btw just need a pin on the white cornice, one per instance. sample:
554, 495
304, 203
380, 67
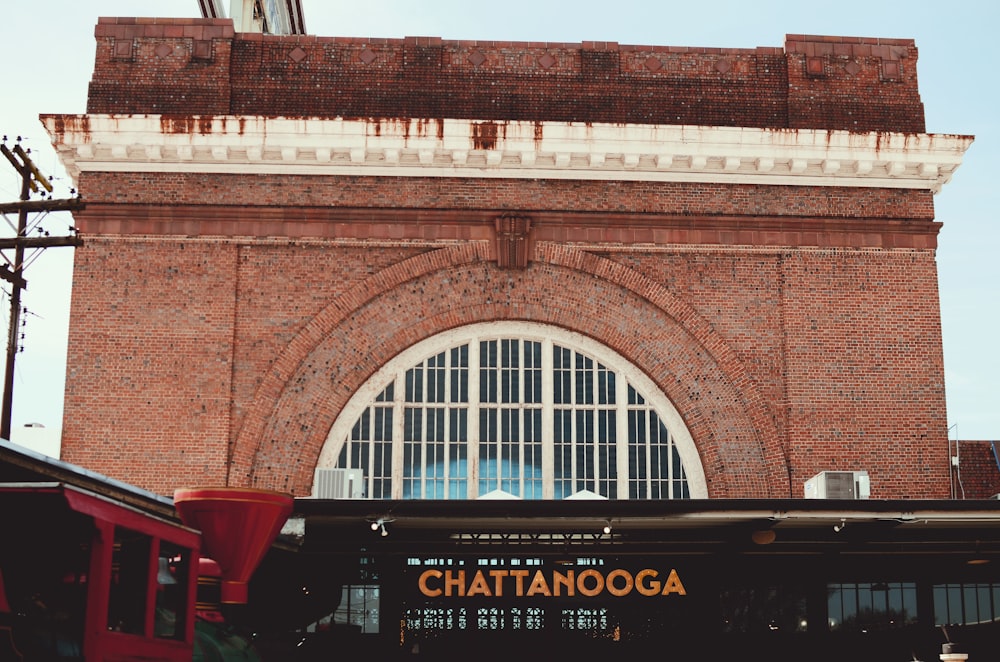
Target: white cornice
514, 150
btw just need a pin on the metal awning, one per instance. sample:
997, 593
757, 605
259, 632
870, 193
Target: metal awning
688, 526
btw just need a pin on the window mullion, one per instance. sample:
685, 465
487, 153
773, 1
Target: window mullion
446, 433
398, 406
369, 470
594, 442
574, 439
472, 452
426, 407
622, 441
671, 469
522, 414
548, 422
647, 420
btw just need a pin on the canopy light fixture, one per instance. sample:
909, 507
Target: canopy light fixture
379, 525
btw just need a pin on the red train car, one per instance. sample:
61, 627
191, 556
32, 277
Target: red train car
92, 569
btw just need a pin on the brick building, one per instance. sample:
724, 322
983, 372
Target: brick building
428, 269
271, 220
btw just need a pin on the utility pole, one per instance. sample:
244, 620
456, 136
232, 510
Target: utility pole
13, 270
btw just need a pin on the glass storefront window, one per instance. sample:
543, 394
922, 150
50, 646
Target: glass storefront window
764, 609
966, 604
868, 607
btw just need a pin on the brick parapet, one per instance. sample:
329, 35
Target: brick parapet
886, 48
812, 83
832, 82
143, 27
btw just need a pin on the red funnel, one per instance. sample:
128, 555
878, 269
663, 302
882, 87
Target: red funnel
237, 525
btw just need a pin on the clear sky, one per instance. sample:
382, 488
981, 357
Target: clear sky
47, 53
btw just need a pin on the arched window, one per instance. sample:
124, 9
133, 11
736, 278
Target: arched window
514, 409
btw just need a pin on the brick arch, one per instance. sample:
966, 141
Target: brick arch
312, 380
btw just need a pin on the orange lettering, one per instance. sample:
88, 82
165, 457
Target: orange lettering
539, 585
673, 584
582, 587
560, 580
451, 581
591, 582
422, 583
614, 590
498, 576
479, 585
653, 588
519, 575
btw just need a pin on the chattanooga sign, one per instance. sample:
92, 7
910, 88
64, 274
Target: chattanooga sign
449, 583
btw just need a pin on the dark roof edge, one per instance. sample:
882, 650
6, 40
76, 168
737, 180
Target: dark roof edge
49, 468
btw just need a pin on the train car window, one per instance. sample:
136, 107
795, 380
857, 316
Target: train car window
129, 582
173, 566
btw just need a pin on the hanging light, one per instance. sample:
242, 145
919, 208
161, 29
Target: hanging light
379, 525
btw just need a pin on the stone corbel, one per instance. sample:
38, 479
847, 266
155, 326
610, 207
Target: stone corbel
513, 241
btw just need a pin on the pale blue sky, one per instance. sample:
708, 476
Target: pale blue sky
48, 49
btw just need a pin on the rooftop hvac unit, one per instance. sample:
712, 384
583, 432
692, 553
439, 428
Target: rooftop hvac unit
339, 484
838, 485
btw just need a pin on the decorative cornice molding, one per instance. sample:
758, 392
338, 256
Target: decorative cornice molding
518, 150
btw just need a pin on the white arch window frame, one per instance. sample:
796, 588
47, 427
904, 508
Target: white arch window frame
627, 374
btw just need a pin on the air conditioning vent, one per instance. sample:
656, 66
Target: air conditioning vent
339, 484
838, 485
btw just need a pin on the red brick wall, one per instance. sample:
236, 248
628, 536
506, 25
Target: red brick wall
853, 84
149, 377
289, 194
199, 67
865, 367
978, 473
162, 66
221, 322
804, 358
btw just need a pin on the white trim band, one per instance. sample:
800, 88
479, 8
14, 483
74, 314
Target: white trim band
514, 150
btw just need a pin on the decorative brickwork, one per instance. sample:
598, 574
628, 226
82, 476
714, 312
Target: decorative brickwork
513, 241
812, 83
